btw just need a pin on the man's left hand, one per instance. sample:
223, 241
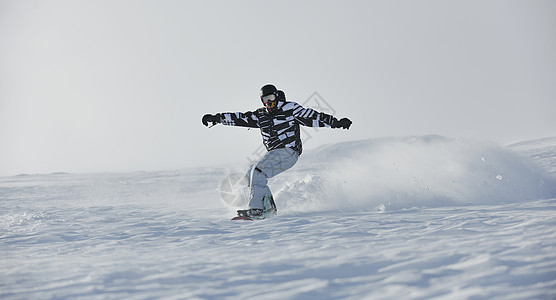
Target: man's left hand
344, 123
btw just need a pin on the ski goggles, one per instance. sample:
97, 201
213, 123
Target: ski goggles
267, 98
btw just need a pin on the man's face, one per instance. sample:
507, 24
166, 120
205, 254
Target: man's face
269, 101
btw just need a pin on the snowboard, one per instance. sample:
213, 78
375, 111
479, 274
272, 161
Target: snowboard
243, 214
242, 218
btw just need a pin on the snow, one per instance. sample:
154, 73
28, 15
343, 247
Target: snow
425, 217
542, 151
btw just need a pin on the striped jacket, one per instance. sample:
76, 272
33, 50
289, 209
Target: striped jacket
280, 127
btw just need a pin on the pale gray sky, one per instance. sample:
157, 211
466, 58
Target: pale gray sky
89, 86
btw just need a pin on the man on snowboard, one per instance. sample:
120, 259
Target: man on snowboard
279, 122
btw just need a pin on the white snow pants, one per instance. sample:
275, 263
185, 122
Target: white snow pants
271, 164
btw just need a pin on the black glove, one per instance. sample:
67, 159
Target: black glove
344, 123
211, 118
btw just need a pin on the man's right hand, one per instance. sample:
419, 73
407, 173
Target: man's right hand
210, 118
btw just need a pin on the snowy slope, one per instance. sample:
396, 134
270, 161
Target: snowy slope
410, 218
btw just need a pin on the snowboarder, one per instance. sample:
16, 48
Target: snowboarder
279, 122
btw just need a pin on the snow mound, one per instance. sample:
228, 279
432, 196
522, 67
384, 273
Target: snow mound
542, 151
406, 172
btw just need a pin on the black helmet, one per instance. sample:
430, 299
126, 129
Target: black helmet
268, 89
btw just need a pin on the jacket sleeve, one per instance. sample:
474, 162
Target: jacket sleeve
312, 118
247, 119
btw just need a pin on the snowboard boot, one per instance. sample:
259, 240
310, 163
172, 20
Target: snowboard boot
257, 213
269, 205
